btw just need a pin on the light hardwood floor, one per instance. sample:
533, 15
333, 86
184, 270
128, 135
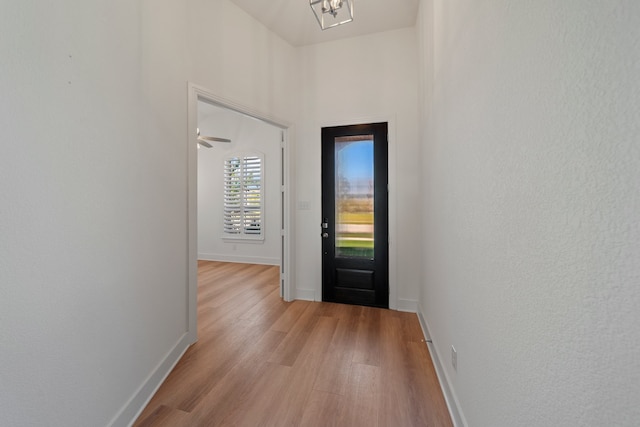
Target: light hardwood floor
261, 361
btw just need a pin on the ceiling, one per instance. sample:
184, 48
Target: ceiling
294, 21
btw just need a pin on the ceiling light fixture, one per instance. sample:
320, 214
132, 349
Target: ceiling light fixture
331, 13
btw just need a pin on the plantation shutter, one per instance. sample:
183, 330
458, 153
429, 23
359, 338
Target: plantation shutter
252, 207
243, 210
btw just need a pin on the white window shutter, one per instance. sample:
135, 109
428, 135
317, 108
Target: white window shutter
243, 196
252, 195
232, 195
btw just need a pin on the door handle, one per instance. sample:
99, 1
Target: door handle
325, 235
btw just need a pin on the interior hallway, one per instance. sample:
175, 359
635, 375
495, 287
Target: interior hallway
262, 361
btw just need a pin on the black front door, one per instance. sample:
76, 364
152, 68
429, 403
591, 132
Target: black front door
355, 224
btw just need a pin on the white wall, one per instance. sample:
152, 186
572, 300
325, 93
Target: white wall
93, 190
531, 226
92, 205
235, 57
247, 135
359, 80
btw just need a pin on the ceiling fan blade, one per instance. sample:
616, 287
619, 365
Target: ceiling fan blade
204, 143
213, 139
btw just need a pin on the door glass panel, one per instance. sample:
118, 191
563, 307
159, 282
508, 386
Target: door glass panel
354, 196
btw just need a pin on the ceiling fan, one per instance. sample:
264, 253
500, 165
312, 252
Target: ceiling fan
205, 140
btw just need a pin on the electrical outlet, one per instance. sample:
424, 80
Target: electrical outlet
454, 358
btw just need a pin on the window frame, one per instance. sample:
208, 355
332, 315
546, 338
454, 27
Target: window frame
240, 203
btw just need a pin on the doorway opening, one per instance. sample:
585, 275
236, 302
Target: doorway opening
355, 214
227, 134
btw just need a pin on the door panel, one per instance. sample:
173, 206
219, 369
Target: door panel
355, 215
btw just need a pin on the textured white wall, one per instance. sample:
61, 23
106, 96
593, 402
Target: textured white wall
236, 57
347, 82
531, 166
92, 205
93, 190
247, 135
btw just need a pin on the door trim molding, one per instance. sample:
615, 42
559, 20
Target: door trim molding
195, 93
392, 199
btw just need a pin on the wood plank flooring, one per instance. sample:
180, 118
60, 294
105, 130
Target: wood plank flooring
261, 361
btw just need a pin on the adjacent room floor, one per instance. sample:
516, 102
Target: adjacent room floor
260, 361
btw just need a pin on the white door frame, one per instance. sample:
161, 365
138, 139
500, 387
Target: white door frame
196, 93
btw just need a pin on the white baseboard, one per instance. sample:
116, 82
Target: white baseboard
132, 409
449, 395
408, 305
305, 294
239, 258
